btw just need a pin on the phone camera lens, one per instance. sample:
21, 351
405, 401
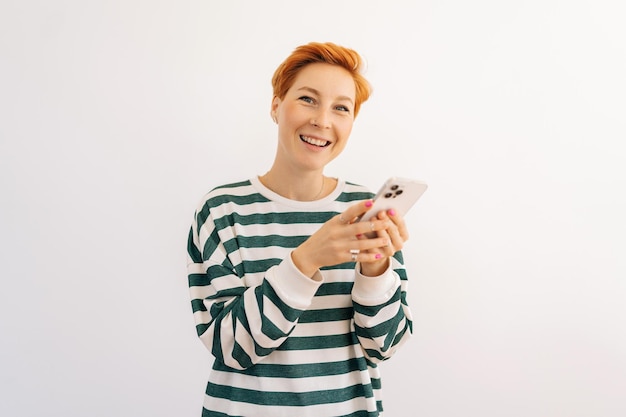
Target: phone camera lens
398, 192
388, 195
394, 187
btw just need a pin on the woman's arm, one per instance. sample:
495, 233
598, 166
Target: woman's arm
238, 324
382, 318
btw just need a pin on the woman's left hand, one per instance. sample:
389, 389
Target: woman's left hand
396, 235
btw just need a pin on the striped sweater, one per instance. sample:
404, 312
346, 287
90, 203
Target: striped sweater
284, 344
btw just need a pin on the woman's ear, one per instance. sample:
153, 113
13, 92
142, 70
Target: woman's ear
274, 111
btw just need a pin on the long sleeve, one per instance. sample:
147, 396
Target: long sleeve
241, 324
382, 318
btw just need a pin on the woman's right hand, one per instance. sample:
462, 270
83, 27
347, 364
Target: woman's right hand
341, 239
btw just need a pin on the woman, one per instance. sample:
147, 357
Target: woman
295, 303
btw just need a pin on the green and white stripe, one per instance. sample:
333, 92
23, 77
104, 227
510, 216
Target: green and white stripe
284, 344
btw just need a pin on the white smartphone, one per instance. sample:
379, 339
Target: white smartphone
399, 194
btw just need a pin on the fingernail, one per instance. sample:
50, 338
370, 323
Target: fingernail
378, 256
392, 212
368, 203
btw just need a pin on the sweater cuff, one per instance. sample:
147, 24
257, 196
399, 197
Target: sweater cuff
375, 290
293, 286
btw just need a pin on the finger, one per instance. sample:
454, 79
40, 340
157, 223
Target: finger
365, 244
355, 255
400, 224
387, 247
395, 222
370, 227
354, 212
390, 233
397, 243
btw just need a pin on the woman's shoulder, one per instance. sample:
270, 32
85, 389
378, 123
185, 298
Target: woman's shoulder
240, 192
231, 187
353, 191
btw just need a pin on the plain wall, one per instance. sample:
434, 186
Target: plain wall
117, 116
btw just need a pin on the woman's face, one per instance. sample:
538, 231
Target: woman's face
315, 117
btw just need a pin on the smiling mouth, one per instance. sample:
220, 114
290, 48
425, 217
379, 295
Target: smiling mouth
315, 142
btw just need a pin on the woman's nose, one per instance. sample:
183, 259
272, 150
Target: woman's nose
321, 120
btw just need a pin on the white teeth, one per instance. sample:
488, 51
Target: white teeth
313, 141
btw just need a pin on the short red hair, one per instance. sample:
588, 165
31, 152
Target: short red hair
326, 53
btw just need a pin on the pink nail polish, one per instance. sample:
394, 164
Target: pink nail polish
378, 256
392, 212
368, 203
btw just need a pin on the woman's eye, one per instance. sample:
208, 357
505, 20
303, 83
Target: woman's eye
307, 99
343, 108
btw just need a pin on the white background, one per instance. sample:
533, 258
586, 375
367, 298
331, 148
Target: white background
117, 116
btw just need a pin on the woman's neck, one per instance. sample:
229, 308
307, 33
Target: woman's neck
298, 187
